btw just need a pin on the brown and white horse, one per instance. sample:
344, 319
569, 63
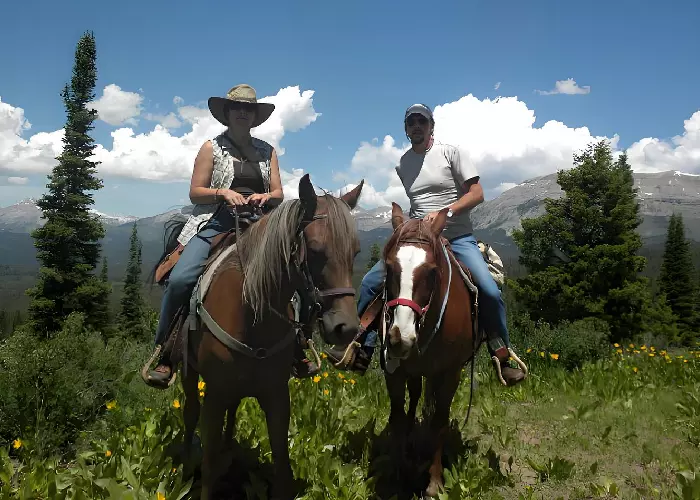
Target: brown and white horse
428, 328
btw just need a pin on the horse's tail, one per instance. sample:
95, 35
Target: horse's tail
173, 228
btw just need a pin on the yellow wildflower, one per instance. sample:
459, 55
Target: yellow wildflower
341, 376
653, 348
317, 379
201, 394
643, 348
554, 356
619, 351
631, 346
201, 385
108, 453
325, 374
111, 405
17, 444
323, 355
663, 353
651, 354
541, 354
529, 350
635, 370
326, 392
160, 496
685, 360
352, 381
636, 351
176, 403
616, 345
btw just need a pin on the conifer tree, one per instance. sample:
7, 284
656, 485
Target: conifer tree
104, 272
68, 242
374, 255
132, 303
581, 254
676, 280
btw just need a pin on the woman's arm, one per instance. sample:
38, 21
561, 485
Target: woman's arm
275, 180
200, 192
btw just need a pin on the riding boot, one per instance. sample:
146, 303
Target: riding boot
500, 357
162, 376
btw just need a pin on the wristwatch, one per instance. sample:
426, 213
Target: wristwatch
450, 212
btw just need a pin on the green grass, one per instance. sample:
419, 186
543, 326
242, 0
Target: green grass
604, 431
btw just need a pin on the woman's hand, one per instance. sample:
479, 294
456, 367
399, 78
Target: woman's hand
232, 197
259, 198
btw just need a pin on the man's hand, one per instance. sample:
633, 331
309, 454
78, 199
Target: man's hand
259, 198
430, 217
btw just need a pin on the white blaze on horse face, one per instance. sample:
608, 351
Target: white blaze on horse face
409, 258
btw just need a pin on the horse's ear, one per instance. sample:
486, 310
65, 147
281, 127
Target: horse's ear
396, 215
351, 197
307, 195
439, 222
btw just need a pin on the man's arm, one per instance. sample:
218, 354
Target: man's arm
474, 196
465, 173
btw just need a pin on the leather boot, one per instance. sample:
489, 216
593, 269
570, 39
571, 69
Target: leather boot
500, 357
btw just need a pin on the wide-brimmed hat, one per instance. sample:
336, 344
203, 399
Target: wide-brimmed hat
240, 93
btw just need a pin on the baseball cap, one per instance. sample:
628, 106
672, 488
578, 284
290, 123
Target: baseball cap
420, 109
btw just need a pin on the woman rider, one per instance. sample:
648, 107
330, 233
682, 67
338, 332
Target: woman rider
237, 169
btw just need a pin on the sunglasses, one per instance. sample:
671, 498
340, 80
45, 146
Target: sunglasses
421, 120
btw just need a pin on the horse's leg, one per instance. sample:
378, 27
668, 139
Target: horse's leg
444, 390
396, 387
190, 412
276, 405
415, 387
213, 411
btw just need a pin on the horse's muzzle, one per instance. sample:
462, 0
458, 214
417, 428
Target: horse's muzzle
339, 327
400, 346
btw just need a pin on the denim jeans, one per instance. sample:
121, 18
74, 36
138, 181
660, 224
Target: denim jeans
492, 311
185, 274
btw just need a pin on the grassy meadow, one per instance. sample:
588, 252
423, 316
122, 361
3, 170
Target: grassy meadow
625, 426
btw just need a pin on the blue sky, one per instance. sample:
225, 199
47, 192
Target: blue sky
365, 63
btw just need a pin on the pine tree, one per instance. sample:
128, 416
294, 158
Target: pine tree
374, 255
104, 272
68, 243
581, 254
132, 303
676, 280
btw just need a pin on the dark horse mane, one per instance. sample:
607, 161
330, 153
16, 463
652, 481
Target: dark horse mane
417, 229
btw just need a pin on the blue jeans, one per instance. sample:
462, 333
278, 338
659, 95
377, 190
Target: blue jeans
186, 272
492, 311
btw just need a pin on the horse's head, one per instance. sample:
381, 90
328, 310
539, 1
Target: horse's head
332, 244
413, 257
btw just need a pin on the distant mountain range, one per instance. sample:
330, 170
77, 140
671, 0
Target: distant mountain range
660, 195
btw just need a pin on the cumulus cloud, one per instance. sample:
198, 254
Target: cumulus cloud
154, 155
568, 86
168, 121
117, 106
501, 139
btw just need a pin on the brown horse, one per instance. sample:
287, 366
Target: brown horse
245, 346
425, 335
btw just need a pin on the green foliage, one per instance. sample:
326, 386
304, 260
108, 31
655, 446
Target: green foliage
677, 279
52, 389
375, 254
67, 244
582, 253
132, 302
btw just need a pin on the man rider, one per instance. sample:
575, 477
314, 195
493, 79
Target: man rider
437, 175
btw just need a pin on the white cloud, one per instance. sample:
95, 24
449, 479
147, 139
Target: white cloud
17, 181
117, 106
497, 86
177, 100
568, 86
154, 155
500, 137
168, 121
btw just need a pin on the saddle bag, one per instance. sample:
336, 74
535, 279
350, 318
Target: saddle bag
494, 262
166, 265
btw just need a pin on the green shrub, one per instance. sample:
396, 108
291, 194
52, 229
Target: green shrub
51, 390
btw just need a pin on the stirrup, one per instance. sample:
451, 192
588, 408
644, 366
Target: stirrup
147, 373
499, 373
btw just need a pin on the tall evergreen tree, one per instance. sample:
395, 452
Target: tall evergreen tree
68, 243
104, 271
676, 280
374, 255
132, 303
581, 254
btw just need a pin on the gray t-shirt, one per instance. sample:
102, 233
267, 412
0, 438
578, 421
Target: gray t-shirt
435, 180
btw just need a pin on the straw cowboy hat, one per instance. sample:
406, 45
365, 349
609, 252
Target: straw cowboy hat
240, 93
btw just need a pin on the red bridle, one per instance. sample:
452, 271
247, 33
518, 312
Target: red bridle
420, 311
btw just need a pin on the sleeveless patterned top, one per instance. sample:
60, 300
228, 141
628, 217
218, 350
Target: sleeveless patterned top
222, 177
